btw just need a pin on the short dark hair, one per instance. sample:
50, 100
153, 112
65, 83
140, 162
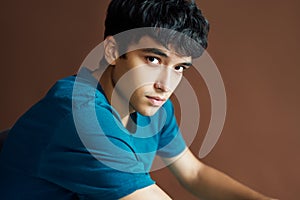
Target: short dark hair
181, 16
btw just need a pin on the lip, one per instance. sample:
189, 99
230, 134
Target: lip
156, 100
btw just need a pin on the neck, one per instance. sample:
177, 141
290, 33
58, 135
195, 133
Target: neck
118, 103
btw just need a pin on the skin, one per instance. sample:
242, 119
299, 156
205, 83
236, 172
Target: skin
151, 75
153, 71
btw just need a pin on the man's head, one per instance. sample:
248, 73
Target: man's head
148, 44
175, 16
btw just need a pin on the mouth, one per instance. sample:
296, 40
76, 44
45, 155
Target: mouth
156, 101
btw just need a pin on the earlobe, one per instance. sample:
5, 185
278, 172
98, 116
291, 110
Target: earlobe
111, 50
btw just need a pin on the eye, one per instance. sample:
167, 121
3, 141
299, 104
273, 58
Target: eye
153, 60
180, 68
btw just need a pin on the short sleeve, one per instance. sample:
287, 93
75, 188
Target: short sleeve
91, 170
171, 142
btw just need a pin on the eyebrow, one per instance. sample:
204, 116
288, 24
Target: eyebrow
155, 51
161, 53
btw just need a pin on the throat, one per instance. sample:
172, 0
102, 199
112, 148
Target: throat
130, 122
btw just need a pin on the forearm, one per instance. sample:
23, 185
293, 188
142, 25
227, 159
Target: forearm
148, 193
213, 184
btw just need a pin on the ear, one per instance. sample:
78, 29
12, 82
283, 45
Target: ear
111, 52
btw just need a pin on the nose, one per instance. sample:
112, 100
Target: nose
161, 87
163, 82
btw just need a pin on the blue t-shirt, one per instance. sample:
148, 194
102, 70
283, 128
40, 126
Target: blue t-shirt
72, 145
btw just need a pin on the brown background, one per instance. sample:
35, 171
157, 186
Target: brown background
255, 44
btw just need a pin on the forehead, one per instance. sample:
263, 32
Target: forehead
146, 42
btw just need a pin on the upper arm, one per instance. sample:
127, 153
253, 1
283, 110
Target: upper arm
185, 166
147, 193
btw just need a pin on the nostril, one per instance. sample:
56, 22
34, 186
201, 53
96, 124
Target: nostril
162, 87
157, 85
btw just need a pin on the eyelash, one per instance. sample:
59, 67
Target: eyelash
177, 68
152, 57
180, 66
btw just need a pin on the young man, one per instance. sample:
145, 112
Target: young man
94, 136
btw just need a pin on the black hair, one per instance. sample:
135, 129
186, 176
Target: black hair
173, 16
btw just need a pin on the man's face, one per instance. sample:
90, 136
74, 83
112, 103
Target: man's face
148, 75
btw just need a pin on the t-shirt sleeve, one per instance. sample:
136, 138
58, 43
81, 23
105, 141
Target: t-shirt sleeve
82, 160
171, 142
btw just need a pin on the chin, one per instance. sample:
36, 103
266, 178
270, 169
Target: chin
148, 111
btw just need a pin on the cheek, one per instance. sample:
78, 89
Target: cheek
118, 73
175, 81
138, 94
